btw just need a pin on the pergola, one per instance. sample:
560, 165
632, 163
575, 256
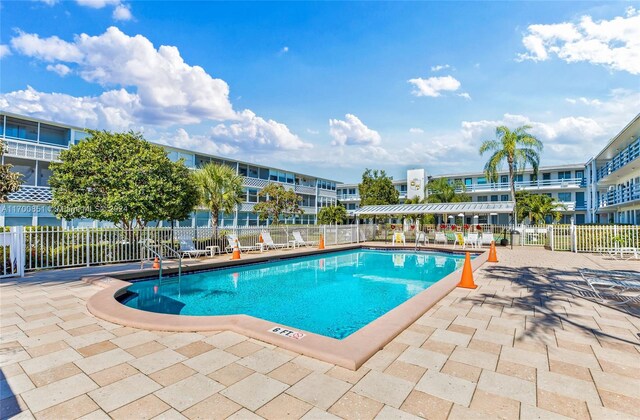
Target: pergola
467, 208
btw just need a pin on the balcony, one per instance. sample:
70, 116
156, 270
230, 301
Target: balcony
30, 150
32, 194
627, 155
347, 197
541, 184
619, 196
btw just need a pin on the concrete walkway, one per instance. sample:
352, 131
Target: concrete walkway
527, 343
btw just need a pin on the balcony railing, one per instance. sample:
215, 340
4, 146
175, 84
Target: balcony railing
348, 196
527, 185
24, 149
620, 196
628, 154
32, 194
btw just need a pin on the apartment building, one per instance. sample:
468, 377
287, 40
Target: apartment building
613, 179
32, 144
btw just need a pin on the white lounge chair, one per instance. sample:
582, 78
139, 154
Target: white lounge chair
187, 248
232, 240
268, 241
486, 238
624, 287
298, 241
472, 239
440, 237
421, 237
397, 238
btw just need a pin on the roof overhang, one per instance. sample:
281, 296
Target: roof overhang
498, 207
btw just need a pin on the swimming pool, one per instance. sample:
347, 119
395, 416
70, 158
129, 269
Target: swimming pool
332, 294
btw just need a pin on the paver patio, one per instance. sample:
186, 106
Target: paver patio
524, 344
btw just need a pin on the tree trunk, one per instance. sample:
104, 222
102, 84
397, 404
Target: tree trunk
512, 185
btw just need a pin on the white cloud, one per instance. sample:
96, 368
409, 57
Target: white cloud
284, 50
352, 131
440, 67
4, 50
613, 43
416, 130
465, 95
584, 101
253, 132
98, 4
434, 86
49, 2
122, 12
203, 143
60, 69
169, 90
314, 132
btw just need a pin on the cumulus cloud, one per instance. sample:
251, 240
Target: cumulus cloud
352, 131
98, 4
440, 67
613, 43
4, 50
434, 86
59, 69
465, 95
122, 12
255, 132
416, 130
584, 101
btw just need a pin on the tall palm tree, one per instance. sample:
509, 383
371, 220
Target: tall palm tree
220, 189
517, 148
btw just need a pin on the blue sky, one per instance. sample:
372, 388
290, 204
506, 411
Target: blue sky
329, 88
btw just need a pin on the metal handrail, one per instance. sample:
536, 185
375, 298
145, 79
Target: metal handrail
176, 253
148, 248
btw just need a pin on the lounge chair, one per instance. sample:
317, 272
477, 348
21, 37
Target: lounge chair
268, 241
623, 286
486, 238
440, 237
188, 249
298, 241
397, 238
421, 237
232, 240
460, 240
473, 240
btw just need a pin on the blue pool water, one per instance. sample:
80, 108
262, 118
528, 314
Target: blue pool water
330, 294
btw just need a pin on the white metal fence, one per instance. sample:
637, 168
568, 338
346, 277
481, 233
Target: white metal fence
11, 252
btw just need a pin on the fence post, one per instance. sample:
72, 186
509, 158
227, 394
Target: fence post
550, 234
574, 239
324, 232
357, 231
88, 247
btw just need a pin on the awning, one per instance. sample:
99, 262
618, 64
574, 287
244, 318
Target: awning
504, 207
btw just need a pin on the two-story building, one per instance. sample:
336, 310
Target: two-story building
32, 144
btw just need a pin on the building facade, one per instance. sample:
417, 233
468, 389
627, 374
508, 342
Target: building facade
565, 183
32, 144
613, 179
604, 190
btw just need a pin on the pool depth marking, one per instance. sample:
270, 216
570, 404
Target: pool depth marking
287, 333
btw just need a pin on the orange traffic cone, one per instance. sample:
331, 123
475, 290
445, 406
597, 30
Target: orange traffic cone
493, 254
260, 238
156, 263
321, 243
467, 274
236, 251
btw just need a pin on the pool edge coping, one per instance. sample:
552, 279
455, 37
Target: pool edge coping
350, 352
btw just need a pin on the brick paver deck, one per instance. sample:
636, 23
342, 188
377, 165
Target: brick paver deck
522, 345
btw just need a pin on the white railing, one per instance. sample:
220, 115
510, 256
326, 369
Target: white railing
620, 195
32, 194
11, 252
30, 150
627, 155
526, 185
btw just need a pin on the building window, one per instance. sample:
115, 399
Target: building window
564, 175
468, 182
21, 129
518, 178
494, 198
546, 176
564, 196
482, 198
504, 179
481, 180
54, 135
504, 197
579, 174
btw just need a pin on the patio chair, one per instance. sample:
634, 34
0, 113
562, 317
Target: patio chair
440, 237
268, 241
460, 240
486, 238
298, 241
421, 237
231, 243
623, 286
397, 238
472, 239
188, 249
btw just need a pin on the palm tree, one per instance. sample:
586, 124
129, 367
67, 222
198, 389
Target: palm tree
537, 207
518, 148
220, 189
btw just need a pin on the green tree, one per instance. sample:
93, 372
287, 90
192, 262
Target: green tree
220, 189
333, 214
441, 191
517, 148
123, 179
537, 207
279, 202
377, 188
9, 181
